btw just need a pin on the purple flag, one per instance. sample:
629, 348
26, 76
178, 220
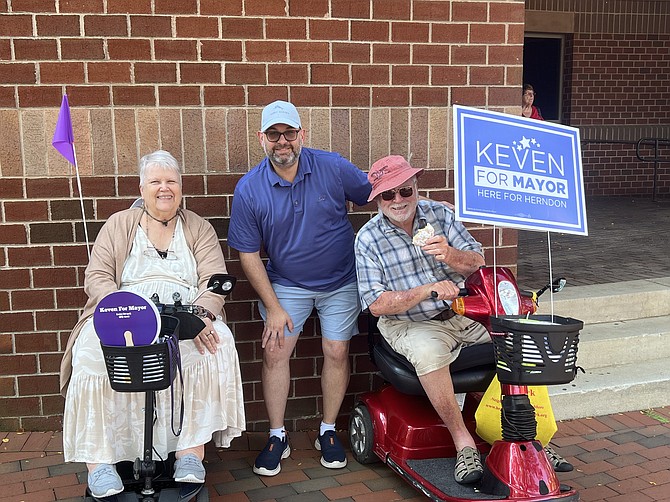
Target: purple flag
63, 140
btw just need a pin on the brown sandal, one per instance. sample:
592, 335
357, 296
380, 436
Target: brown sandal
468, 467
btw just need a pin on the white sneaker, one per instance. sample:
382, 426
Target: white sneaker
104, 481
189, 469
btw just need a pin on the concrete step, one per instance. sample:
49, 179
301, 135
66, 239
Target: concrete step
613, 389
624, 347
620, 301
624, 342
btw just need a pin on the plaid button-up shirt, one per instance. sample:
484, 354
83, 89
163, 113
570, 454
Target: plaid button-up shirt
386, 259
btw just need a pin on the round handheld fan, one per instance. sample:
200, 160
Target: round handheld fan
123, 318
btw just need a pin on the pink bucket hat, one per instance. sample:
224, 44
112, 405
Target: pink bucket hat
388, 173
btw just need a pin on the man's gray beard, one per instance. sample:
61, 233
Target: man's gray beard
278, 161
393, 218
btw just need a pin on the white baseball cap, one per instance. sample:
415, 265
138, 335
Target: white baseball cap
280, 112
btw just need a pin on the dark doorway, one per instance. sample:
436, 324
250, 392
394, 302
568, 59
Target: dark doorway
542, 69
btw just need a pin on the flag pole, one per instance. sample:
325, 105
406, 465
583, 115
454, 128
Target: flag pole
81, 202
63, 142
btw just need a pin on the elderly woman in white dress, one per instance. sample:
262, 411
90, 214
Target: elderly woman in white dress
157, 248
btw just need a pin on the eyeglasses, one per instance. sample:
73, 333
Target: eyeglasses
529, 93
403, 191
155, 254
289, 135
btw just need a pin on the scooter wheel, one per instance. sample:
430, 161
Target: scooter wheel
362, 435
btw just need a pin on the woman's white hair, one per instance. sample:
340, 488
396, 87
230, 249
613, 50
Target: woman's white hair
159, 158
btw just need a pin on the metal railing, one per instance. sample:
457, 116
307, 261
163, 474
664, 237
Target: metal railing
656, 159
656, 143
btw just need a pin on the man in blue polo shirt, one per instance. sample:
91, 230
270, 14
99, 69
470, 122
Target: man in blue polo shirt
294, 206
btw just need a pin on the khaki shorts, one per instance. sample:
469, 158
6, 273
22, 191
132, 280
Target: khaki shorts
432, 345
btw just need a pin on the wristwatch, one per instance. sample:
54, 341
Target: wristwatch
202, 312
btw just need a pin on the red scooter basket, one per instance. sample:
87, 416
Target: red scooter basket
145, 367
535, 350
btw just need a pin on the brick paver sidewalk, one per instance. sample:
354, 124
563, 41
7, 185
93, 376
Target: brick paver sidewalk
618, 458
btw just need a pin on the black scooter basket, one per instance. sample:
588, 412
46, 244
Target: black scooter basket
535, 354
145, 367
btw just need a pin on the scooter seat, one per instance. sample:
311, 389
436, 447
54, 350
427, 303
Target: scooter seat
472, 371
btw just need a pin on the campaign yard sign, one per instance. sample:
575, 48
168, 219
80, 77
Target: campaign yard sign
517, 172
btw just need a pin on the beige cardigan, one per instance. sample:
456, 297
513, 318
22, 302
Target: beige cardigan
112, 247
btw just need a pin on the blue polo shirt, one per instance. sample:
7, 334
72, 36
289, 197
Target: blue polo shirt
303, 226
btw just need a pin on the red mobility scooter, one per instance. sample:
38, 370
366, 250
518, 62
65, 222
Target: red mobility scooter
398, 425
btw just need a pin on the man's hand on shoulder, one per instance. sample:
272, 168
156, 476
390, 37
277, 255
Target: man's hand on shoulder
446, 203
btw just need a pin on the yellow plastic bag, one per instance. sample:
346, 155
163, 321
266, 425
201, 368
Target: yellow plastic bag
487, 415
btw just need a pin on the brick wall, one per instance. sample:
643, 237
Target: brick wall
624, 90
371, 77
617, 89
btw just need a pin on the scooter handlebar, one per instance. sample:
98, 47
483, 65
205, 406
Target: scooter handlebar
190, 324
461, 292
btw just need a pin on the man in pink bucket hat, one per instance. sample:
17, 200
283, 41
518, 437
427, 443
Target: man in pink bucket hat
412, 248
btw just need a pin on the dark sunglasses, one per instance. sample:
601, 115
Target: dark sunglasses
289, 135
403, 191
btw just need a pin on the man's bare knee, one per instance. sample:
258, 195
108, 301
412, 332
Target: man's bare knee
335, 351
276, 358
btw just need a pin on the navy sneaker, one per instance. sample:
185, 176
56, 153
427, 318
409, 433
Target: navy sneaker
268, 462
332, 451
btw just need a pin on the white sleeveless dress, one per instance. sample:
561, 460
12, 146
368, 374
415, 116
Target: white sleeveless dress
105, 426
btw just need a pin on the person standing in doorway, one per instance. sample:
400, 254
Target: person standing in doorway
528, 109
